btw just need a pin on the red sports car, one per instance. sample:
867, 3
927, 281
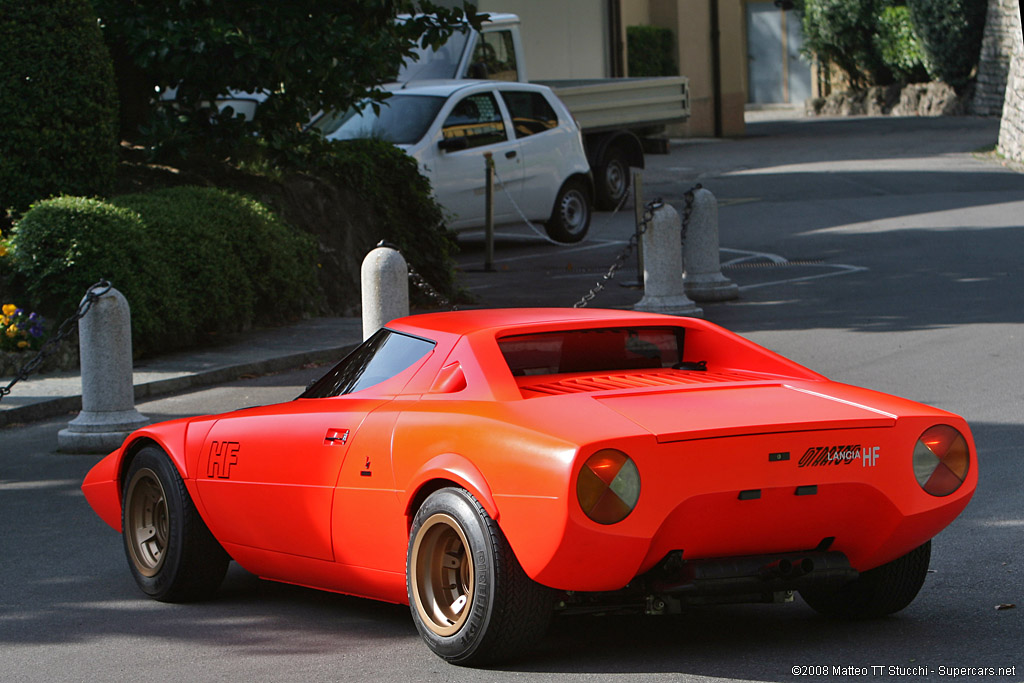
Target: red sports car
492, 468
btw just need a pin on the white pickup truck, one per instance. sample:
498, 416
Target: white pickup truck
613, 113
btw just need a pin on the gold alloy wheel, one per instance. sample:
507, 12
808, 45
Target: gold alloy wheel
146, 522
442, 575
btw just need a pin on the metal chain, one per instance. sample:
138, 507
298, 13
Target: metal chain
533, 226
66, 329
540, 233
687, 212
620, 260
645, 222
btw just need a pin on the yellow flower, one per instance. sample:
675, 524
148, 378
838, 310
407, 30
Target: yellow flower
3, 250
9, 309
3, 321
23, 345
12, 330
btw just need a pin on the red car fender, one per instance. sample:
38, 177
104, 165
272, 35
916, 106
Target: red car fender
455, 468
102, 485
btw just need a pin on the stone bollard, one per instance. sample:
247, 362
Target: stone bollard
663, 267
108, 396
385, 288
704, 280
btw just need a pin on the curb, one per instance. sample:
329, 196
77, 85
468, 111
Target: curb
48, 408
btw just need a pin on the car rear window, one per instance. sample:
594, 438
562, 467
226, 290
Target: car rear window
595, 350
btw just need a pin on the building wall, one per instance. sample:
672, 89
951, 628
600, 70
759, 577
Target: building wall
571, 39
1002, 34
690, 21
561, 38
1011, 128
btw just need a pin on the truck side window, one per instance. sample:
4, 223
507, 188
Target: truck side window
477, 119
494, 58
531, 112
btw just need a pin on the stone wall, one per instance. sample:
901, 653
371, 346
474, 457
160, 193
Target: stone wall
1002, 39
1011, 129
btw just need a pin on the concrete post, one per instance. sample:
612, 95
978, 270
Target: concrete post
703, 279
663, 267
108, 397
385, 288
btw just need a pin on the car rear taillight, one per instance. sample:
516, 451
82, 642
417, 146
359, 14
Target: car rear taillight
941, 460
608, 486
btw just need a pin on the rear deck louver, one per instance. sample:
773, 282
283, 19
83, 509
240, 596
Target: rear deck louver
548, 385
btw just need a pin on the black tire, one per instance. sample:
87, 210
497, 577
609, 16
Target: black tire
470, 599
876, 592
171, 553
570, 217
611, 179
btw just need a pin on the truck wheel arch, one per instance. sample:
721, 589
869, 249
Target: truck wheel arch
611, 155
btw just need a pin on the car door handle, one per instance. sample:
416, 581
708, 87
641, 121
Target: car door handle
510, 155
336, 437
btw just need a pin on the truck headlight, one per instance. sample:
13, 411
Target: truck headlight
608, 486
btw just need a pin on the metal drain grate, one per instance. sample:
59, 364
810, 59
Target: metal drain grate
752, 265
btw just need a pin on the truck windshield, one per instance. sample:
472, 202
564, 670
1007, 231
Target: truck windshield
431, 63
403, 120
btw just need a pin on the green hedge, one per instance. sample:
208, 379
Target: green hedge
651, 51
899, 46
191, 261
58, 104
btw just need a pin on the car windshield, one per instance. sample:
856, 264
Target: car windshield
403, 120
430, 63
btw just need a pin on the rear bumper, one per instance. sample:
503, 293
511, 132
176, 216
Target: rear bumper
718, 499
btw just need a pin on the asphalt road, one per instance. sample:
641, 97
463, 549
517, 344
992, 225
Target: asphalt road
883, 253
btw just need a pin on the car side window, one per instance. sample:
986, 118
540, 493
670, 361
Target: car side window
477, 120
531, 112
494, 57
377, 359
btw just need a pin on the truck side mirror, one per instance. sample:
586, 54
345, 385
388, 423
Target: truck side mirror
453, 144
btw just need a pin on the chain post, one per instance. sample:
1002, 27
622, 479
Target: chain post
66, 329
638, 212
420, 282
489, 212
644, 223
620, 260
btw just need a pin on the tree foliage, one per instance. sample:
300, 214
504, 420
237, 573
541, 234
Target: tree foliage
58, 105
302, 55
877, 42
843, 32
899, 46
951, 32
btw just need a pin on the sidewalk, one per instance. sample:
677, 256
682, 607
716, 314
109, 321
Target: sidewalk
321, 340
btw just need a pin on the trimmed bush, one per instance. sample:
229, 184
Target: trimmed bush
951, 32
58, 105
191, 262
64, 245
399, 198
650, 50
235, 262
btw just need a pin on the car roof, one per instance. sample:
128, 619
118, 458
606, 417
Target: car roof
511, 320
